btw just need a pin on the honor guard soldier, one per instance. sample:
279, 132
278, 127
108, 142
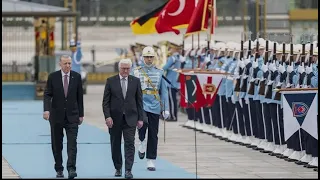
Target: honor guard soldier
155, 101
76, 55
173, 62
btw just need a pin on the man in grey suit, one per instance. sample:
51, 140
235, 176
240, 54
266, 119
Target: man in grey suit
123, 111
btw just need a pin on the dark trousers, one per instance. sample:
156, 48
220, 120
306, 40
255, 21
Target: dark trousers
239, 114
216, 115
225, 114
254, 121
231, 116
247, 121
115, 138
267, 121
57, 143
173, 105
190, 113
260, 119
277, 120
206, 115
153, 128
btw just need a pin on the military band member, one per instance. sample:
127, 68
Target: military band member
155, 102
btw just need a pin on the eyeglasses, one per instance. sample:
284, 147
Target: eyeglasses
125, 69
148, 57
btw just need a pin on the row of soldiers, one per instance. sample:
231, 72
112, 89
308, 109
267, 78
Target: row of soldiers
255, 69
249, 112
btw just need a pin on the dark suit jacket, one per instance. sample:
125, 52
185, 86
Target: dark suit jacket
59, 105
114, 105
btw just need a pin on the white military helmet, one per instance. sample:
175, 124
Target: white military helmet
262, 43
148, 51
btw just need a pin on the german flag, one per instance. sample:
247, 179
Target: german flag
146, 23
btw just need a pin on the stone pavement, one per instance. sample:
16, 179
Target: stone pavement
216, 158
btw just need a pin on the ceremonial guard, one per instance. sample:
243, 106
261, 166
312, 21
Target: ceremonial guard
76, 55
155, 102
173, 62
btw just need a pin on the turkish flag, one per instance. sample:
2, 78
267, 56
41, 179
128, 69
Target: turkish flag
200, 17
175, 15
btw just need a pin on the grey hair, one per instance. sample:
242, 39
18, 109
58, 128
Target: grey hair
65, 56
125, 61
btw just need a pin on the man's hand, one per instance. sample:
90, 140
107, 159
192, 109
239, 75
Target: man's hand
139, 124
80, 120
109, 122
46, 115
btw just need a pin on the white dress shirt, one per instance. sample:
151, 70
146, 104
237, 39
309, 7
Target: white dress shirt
126, 82
68, 77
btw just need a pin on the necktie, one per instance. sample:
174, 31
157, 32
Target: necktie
123, 86
65, 85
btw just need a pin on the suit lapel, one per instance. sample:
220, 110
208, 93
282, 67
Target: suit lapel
119, 86
129, 85
71, 81
60, 82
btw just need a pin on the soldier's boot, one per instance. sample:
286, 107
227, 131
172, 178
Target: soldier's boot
151, 165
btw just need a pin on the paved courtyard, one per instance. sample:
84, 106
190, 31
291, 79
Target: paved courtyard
216, 158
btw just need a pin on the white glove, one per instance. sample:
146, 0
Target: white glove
308, 69
301, 69
246, 100
218, 69
288, 85
279, 84
241, 64
273, 67
254, 64
269, 82
290, 68
281, 69
232, 99
264, 68
246, 61
165, 114
222, 71
182, 59
252, 79
207, 59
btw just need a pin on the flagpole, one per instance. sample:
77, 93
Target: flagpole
213, 10
192, 50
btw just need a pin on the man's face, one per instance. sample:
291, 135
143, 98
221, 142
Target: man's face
148, 59
124, 70
65, 64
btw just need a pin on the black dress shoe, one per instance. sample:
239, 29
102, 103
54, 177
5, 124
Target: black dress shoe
141, 155
118, 173
60, 174
72, 174
128, 175
315, 169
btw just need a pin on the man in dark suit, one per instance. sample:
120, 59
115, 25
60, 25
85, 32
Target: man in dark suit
123, 107
63, 107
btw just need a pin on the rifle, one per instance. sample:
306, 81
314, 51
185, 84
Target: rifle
246, 71
262, 88
272, 75
255, 70
309, 76
238, 81
302, 61
283, 75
